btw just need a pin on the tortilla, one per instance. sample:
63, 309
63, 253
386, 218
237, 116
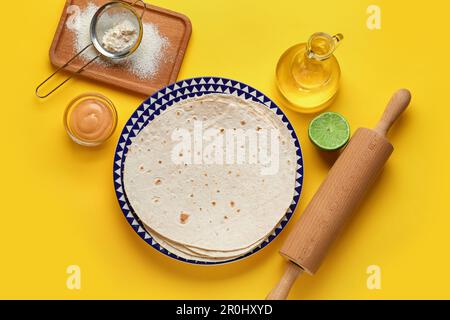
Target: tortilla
168, 246
185, 194
195, 252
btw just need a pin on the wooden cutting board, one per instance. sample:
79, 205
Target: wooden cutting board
174, 26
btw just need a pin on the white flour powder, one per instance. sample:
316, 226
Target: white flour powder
144, 62
120, 38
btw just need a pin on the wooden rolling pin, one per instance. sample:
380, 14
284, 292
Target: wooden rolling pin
346, 184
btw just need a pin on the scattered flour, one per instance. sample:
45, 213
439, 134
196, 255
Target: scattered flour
144, 62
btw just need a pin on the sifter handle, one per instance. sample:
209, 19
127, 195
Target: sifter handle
143, 9
398, 103
46, 94
281, 290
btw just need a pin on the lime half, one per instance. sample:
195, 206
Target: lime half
329, 131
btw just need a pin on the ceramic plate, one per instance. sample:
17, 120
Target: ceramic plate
164, 99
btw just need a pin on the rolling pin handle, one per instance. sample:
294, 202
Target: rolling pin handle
281, 290
398, 103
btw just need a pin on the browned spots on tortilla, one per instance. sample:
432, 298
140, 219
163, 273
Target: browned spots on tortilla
232, 204
205, 174
243, 123
229, 172
238, 210
141, 168
155, 199
160, 162
222, 130
184, 217
258, 129
181, 154
158, 181
225, 217
192, 195
178, 113
213, 203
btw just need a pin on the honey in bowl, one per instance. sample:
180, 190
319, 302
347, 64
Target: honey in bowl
90, 119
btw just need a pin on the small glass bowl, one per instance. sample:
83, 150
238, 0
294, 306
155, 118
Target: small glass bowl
77, 101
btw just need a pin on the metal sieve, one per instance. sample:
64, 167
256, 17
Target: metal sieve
105, 18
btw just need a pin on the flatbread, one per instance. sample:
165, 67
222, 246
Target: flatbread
183, 253
201, 203
195, 252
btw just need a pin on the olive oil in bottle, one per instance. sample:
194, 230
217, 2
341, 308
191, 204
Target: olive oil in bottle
308, 73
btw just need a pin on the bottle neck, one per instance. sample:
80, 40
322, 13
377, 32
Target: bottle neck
321, 46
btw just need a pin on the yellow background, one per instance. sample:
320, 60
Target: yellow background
58, 205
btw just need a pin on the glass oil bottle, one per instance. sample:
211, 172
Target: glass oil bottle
308, 73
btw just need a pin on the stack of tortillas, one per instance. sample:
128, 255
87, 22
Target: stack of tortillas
203, 186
